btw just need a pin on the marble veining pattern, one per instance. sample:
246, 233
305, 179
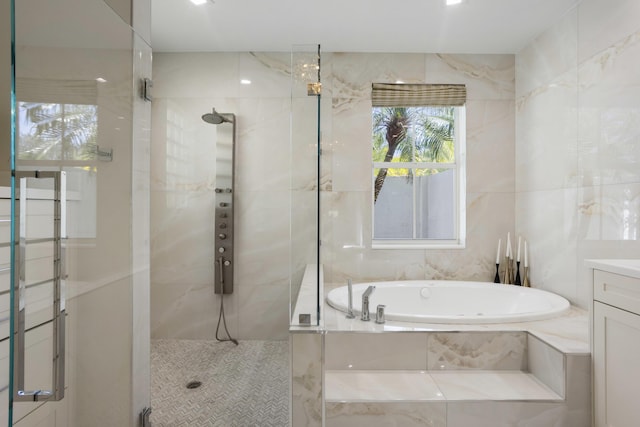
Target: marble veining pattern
577, 96
477, 351
367, 414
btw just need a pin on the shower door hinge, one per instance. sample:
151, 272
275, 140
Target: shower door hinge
145, 417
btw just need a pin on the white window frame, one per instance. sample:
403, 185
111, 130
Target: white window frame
460, 154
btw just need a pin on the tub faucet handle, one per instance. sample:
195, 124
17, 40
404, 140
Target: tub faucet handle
380, 314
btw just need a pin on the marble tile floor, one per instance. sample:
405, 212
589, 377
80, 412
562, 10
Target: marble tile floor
242, 386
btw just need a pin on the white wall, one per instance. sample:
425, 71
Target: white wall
188, 85
577, 149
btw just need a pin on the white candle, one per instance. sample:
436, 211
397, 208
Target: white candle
526, 263
498, 254
509, 245
519, 241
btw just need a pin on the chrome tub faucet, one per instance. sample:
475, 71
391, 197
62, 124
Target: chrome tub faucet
365, 303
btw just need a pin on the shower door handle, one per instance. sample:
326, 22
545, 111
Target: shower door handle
59, 275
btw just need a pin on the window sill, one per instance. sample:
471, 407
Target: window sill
417, 244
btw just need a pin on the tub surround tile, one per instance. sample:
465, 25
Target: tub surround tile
491, 385
511, 414
477, 350
426, 386
579, 387
380, 386
356, 351
306, 379
385, 414
547, 364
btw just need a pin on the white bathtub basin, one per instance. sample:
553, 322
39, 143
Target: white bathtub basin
441, 301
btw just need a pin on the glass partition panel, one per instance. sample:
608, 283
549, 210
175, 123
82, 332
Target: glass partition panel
305, 274
74, 96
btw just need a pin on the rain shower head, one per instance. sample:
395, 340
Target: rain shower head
216, 118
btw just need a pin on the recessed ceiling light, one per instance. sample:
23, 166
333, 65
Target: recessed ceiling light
449, 2
199, 2
245, 82
101, 80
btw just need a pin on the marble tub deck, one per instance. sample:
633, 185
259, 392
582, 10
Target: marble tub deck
568, 333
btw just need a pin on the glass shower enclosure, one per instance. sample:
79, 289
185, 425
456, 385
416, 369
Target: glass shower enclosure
73, 215
305, 155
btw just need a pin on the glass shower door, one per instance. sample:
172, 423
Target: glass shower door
74, 247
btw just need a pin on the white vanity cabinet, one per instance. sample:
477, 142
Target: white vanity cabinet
616, 343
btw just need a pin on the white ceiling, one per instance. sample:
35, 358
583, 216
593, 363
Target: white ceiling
428, 26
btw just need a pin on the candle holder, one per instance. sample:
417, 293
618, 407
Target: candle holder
497, 278
525, 282
507, 271
517, 279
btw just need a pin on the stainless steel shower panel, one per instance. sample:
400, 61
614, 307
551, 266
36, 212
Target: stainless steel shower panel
224, 205
224, 241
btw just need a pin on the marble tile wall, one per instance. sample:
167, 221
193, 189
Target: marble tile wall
577, 151
189, 84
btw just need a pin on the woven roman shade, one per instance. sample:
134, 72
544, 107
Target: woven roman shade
57, 91
417, 95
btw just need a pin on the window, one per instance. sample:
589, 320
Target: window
57, 129
418, 151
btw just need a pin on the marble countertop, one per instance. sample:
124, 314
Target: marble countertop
626, 267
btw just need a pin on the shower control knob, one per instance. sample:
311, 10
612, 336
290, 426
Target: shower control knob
218, 190
227, 263
224, 204
222, 236
223, 225
221, 250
